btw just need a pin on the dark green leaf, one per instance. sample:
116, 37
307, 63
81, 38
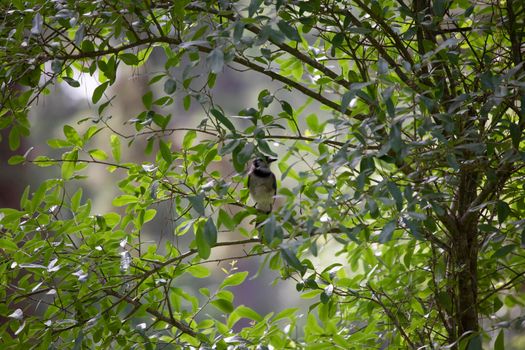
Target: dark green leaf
253, 7
503, 211
387, 231
290, 32
147, 99
222, 119
396, 194
129, 59
71, 82
210, 232
504, 251
475, 343
345, 101
197, 202
165, 151
170, 86
515, 134
499, 344
265, 148
99, 91
291, 259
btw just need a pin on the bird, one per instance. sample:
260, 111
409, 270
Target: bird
262, 184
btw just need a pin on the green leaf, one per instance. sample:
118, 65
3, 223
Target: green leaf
165, 151
287, 108
345, 101
14, 138
290, 32
57, 143
475, 343
515, 134
99, 91
115, 147
124, 199
71, 82
203, 247
17, 159
197, 202
215, 60
98, 154
170, 86
253, 7
291, 259
223, 305
188, 139
147, 99
396, 194
387, 231
439, 7
222, 119
503, 251
265, 148
234, 280
242, 312
499, 344
503, 211
210, 232
313, 123
198, 271
8, 245
68, 164
129, 59
72, 135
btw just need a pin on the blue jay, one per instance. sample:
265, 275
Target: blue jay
262, 184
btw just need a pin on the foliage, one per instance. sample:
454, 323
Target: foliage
411, 169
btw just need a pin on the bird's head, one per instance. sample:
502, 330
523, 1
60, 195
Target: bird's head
262, 162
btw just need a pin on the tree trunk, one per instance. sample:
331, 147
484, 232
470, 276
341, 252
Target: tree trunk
465, 256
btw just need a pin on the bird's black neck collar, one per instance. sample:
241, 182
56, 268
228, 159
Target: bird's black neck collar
261, 172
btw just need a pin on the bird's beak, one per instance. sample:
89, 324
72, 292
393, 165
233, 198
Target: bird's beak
271, 160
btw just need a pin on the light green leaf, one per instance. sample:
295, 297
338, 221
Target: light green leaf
69, 160
115, 147
8, 245
124, 199
223, 305
198, 271
188, 139
234, 280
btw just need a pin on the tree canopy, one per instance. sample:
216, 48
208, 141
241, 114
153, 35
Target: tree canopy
410, 172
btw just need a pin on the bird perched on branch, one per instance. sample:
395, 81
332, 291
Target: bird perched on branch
262, 184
